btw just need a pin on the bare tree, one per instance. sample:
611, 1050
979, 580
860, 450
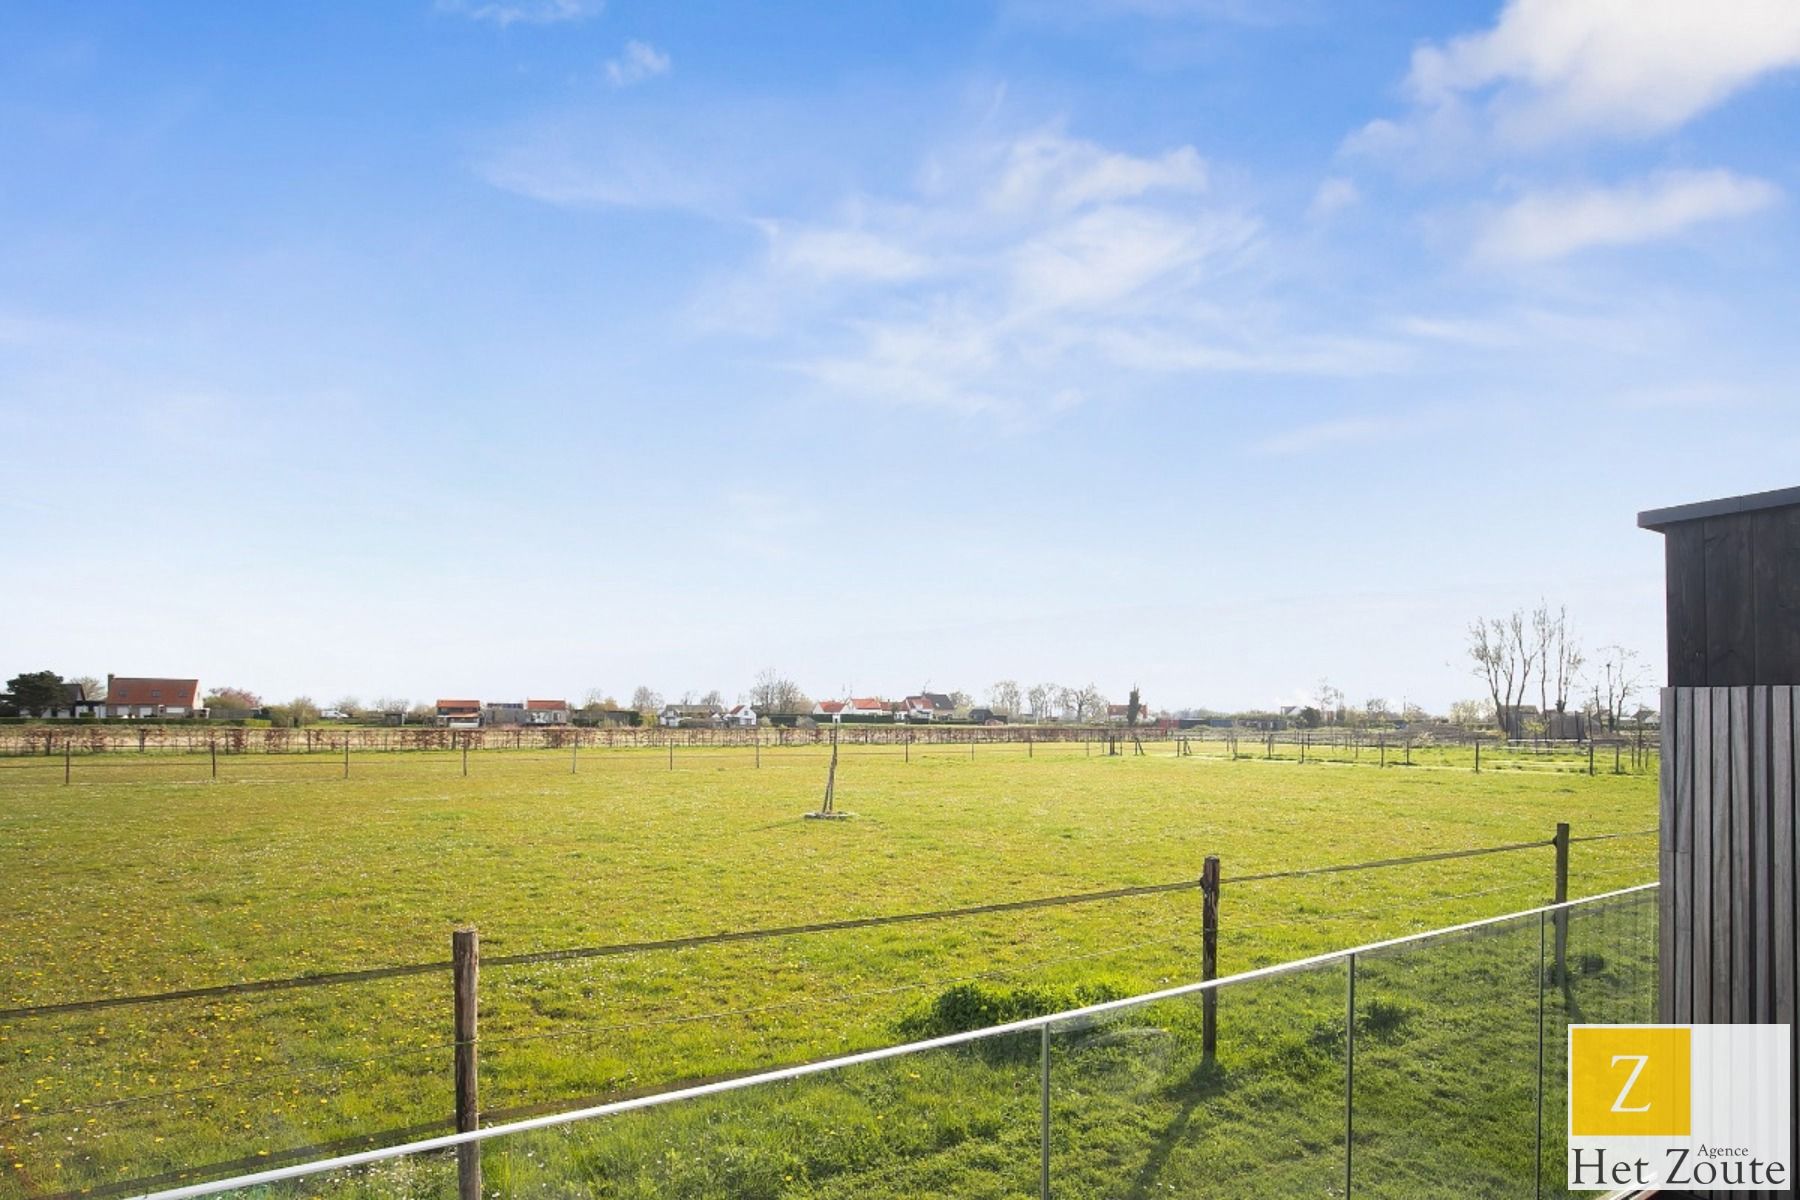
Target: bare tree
1083, 704
92, 688
712, 699
1331, 702
350, 706
1467, 713
1003, 698
1042, 698
1559, 658
1617, 679
645, 700
1505, 651
774, 692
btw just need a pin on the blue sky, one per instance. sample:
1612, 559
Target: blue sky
507, 347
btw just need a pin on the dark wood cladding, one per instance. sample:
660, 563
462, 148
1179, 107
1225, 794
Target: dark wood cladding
1733, 576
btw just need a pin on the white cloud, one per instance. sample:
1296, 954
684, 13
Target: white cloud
1027, 275
839, 254
1551, 224
1333, 195
1551, 69
522, 12
1051, 171
640, 61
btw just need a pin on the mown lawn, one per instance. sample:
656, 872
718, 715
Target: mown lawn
144, 875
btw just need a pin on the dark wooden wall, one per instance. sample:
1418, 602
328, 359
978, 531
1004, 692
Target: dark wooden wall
1729, 928
1734, 599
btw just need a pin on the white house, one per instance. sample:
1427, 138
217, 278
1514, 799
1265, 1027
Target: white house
689, 716
828, 710
741, 715
150, 698
546, 712
459, 714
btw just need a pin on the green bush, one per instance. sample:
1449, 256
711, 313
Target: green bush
976, 1006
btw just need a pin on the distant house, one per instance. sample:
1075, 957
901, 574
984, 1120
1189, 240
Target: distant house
828, 710
609, 717
142, 698
75, 703
986, 716
690, 716
867, 708
459, 714
930, 706
741, 716
1118, 714
498, 713
546, 712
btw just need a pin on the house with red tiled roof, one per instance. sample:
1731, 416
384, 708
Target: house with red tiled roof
866, 707
141, 697
459, 714
830, 710
546, 712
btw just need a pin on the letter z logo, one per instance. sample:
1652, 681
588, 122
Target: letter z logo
1640, 1060
1630, 1080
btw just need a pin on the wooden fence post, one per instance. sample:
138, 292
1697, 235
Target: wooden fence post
346, 756
1209, 956
1478, 756
465, 960
1383, 744
465, 748
759, 751
213, 747
68, 761
1561, 841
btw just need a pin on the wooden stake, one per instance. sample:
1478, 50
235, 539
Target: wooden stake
465, 961
1561, 841
1209, 956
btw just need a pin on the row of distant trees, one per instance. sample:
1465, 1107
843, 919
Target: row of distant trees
1535, 654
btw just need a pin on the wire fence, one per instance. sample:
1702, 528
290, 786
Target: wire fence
433, 1056
195, 757
1331, 1039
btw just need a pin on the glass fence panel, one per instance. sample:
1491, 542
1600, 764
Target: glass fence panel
1445, 1097
961, 1121
1606, 976
1138, 1109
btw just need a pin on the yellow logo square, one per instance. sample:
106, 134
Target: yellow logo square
1630, 1081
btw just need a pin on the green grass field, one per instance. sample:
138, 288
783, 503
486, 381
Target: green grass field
144, 876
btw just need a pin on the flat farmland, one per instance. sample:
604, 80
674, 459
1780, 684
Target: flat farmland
146, 875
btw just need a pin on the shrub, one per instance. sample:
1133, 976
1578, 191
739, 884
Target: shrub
977, 1005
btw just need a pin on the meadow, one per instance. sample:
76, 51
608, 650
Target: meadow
146, 875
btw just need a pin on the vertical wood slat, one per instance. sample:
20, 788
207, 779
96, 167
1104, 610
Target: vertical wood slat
1684, 552
1781, 788
1683, 1002
1699, 928
1743, 860
1669, 863
1730, 620
1762, 863
1722, 881
1775, 593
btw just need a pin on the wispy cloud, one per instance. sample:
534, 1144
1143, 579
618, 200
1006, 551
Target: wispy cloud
522, 12
1552, 224
1333, 195
640, 61
1549, 70
1026, 275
